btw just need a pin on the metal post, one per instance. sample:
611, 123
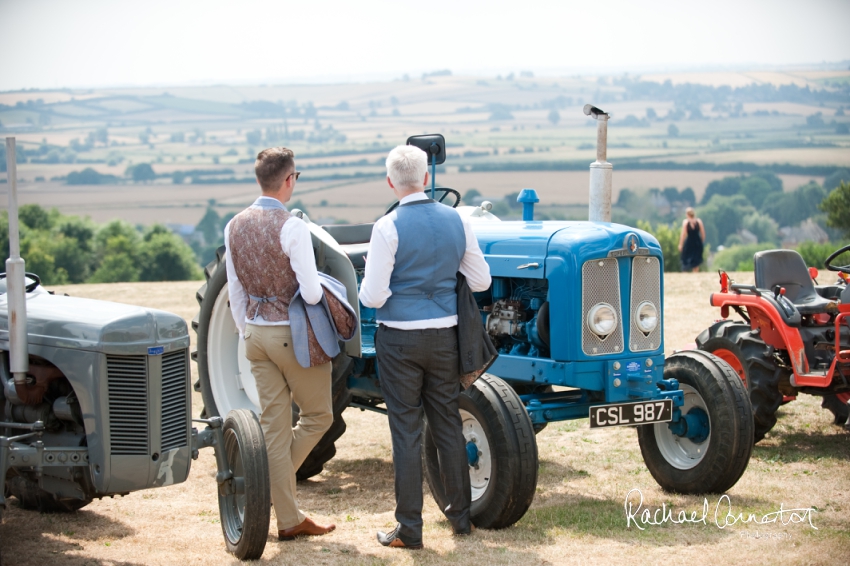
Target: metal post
15, 280
601, 172
433, 174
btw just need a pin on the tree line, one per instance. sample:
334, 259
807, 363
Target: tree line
64, 249
745, 214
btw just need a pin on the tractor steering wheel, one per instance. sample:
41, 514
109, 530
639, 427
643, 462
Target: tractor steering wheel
440, 194
35, 281
841, 268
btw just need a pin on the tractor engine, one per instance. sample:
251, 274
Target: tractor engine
517, 320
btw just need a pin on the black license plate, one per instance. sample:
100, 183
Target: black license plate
642, 412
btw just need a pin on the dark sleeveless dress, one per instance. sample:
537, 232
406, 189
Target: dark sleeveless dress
692, 250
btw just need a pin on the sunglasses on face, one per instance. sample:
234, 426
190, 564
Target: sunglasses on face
296, 173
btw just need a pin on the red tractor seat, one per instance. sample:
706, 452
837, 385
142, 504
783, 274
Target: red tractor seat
787, 269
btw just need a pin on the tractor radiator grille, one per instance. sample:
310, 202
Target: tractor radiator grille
600, 283
127, 380
646, 286
175, 381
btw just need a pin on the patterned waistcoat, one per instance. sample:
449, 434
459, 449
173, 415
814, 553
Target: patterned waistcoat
262, 267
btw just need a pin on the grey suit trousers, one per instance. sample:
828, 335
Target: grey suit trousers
419, 370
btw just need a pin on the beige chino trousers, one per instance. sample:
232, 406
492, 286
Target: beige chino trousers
280, 381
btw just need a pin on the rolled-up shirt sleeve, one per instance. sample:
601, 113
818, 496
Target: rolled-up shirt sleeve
237, 296
375, 288
298, 246
472, 264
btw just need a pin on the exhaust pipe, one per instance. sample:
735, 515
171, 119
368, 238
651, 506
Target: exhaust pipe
15, 280
601, 172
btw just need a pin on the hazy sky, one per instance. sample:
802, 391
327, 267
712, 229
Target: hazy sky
58, 43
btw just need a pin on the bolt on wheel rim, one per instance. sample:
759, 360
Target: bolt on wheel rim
682, 452
479, 475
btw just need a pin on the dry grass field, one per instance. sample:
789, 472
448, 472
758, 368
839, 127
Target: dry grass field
350, 200
577, 516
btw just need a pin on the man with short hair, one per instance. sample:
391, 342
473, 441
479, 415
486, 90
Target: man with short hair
411, 273
269, 257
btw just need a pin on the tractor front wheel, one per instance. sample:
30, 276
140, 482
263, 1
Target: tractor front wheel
709, 447
501, 450
244, 500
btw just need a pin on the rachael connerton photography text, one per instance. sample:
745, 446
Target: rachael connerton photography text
724, 514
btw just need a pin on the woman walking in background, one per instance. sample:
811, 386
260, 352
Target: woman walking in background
691, 242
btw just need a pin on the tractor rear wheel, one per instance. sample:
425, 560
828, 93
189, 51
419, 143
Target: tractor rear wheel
224, 373
752, 359
502, 451
709, 452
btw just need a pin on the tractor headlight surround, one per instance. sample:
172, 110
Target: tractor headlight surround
646, 317
602, 319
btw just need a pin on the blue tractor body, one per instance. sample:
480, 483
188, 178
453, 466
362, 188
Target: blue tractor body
535, 263
575, 312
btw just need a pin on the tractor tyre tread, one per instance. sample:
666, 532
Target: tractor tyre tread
257, 513
730, 443
514, 450
762, 373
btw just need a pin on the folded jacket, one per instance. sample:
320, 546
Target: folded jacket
317, 329
477, 352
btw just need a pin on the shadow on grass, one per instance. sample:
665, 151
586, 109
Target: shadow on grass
360, 467
30, 537
550, 472
553, 516
802, 446
313, 549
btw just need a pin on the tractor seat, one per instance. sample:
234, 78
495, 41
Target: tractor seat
354, 239
787, 269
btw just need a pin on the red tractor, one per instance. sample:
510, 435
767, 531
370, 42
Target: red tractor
794, 336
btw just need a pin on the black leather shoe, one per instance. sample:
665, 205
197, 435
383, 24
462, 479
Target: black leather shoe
462, 532
394, 539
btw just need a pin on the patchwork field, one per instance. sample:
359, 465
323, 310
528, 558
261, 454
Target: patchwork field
350, 200
578, 515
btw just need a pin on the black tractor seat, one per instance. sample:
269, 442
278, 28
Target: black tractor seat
354, 239
787, 269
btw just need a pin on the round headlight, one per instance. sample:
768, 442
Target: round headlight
602, 319
646, 317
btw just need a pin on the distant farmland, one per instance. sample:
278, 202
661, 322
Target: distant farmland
354, 200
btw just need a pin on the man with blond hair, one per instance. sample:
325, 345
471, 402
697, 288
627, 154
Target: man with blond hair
414, 256
269, 257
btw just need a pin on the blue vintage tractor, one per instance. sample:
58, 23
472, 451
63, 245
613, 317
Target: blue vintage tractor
575, 312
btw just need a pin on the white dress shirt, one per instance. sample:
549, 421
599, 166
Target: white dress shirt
296, 243
375, 288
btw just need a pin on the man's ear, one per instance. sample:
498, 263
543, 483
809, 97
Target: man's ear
425, 183
390, 183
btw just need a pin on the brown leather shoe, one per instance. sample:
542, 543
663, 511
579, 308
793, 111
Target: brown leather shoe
305, 529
